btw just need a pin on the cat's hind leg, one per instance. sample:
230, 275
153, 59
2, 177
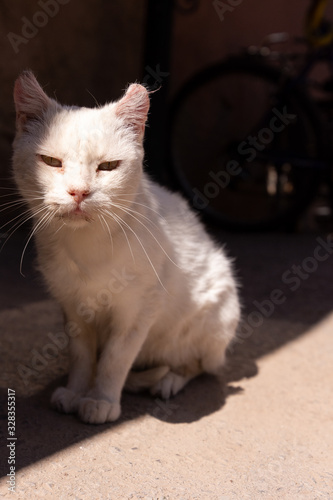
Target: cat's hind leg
159, 381
170, 385
174, 381
211, 360
138, 381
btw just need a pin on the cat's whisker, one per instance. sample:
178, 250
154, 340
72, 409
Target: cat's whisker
129, 209
40, 224
142, 224
20, 216
145, 252
49, 220
119, 220
145, 206
59, 228
23, 218
8, 194
28, 194
28, 211
131, 194
17, 192
11, 204
62, 225
103, 221
12, 188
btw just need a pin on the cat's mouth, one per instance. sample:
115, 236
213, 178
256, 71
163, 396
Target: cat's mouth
76, 214
78, 211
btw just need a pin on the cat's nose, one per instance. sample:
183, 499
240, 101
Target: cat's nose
79, 194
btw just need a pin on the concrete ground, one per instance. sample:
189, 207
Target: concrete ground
265, 431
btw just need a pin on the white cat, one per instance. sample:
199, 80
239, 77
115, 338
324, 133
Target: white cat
141, 283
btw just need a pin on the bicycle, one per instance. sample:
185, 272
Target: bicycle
254, 123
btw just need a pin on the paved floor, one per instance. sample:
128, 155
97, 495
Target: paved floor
266, 431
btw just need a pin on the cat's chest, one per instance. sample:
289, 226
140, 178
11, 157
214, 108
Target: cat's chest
83, 257
84, 268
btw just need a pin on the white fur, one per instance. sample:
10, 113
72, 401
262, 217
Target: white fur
136, 274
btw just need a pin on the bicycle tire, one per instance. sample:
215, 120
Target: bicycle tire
290, 155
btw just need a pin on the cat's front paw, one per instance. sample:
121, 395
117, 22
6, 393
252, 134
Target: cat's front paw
98, 411
65, 400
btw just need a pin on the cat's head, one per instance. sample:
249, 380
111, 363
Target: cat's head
77, 164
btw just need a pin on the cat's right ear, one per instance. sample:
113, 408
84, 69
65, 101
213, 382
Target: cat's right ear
31, 102
133, 108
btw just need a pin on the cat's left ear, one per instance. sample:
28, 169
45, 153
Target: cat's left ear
31, 102
133, 108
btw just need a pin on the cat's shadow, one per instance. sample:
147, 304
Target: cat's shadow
35, 417
201, 397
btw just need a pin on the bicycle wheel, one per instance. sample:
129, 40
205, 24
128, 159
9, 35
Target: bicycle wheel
244, 144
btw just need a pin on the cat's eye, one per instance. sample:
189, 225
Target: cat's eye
108, 165
51, 161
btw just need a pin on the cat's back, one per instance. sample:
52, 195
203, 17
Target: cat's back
195, 249
175, 215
